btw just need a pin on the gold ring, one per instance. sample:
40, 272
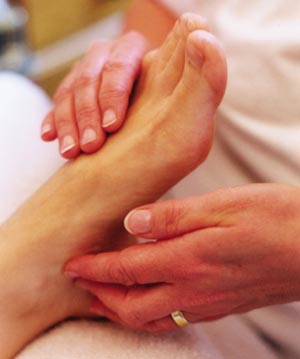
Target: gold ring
179, 319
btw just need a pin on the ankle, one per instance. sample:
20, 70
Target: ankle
34, 293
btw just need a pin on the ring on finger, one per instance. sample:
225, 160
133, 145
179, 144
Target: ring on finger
179, 318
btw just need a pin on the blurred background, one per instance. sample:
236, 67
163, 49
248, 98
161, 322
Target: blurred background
43, 38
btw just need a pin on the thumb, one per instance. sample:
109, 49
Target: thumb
173, 218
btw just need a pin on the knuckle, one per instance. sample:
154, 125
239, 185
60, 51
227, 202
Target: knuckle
171, 220
121, 272
61, 93
86, 78
118, 92
85, 113
114, 65
62, 123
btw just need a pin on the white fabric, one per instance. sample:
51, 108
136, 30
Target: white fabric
26, 164
226, 339
25, 160
99, 340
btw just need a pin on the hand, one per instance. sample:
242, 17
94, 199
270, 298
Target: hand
93, 98
226, 252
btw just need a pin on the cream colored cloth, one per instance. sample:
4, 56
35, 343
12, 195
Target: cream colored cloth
226, 339
258, 129
258, 133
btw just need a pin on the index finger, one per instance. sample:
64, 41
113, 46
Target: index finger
67, 83
139, 264
119, 75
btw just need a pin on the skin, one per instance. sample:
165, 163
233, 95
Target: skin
80, 210
96, 91
227, 252
257, 213
93, 99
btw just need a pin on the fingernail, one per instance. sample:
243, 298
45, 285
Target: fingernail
67, 144
109, 118
89, 135
71, 275
138, 222
46, 128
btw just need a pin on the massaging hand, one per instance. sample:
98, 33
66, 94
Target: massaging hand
93, 99
226, 252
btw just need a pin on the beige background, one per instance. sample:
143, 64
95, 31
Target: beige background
50, 21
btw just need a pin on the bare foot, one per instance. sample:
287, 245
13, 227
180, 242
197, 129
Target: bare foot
168, 133
172, 118
80, 210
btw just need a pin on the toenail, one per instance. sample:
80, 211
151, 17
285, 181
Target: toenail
192, 25
138, 222
67, 144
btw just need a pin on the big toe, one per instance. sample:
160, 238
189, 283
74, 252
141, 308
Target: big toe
172, 59
205, 71
198, 94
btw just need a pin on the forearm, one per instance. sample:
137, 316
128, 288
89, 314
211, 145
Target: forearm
151, 19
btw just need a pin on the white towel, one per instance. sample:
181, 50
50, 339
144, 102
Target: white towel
104, 340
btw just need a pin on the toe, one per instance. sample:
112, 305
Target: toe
174, 66
169, 45
190, 22
198, 95
205, 69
